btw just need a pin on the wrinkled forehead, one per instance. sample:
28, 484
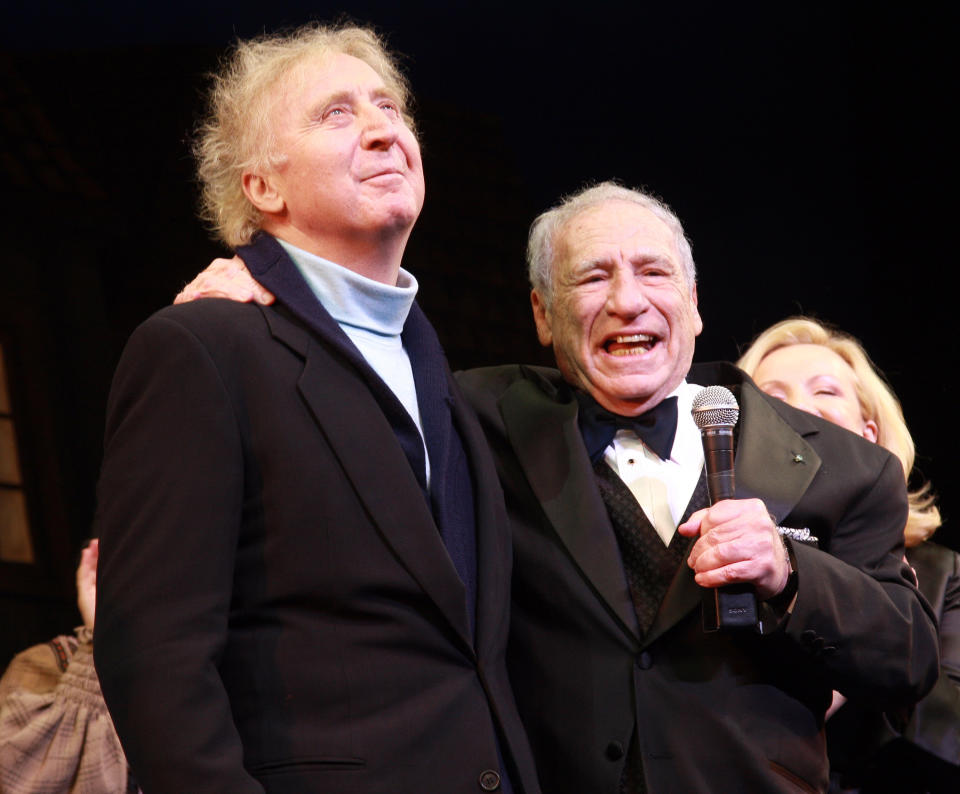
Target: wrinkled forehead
289, 80
339, 71
307, 84
614, 230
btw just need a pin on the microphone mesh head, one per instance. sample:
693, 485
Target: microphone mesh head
715, 406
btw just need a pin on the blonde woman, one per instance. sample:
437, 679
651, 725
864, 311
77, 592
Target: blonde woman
828, 373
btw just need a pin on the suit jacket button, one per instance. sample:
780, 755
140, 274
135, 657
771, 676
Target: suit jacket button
489, 780
645, 661
614, 751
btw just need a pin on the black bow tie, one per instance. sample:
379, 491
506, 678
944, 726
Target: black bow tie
656, 428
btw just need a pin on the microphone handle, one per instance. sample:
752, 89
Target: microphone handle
733, 606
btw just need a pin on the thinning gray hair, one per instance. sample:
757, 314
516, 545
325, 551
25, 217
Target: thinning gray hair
546, 229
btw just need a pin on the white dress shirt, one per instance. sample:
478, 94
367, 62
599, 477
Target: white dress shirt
662, 487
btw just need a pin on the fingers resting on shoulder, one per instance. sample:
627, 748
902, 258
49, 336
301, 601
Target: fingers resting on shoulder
225, 278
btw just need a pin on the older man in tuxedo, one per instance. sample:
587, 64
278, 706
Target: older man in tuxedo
305, 559
620, 687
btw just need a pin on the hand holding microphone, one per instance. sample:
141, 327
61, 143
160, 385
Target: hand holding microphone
739, 554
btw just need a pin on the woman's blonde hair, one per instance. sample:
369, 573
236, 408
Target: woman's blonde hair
877, 403
237, 133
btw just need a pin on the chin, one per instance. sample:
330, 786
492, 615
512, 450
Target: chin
394, 220
633, 392
403, 209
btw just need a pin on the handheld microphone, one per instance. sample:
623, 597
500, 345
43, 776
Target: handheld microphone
715, 412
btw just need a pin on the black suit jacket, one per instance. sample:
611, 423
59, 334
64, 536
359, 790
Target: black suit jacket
877, 752
276, 608
720, 712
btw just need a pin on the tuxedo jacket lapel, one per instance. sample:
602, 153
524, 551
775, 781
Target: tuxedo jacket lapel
772, 457
542, 429
336, 384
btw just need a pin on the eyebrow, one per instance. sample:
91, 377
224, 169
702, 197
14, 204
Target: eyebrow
830, 379
643, 258
347, 96
647, 257
771, 383
337, 97
589, 264
384, 92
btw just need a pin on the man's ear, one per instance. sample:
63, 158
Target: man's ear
541, 318
263, 193
697, 320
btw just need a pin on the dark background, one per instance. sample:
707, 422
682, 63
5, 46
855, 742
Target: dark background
809, 152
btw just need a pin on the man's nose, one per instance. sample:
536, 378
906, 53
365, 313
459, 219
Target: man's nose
627, 297
378, 130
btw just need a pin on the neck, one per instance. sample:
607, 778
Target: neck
374, 257
628, 407
631, 407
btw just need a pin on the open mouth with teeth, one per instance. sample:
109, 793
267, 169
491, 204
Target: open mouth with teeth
630, 344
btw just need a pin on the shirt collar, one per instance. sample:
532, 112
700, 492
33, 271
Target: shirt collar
355, 300
687, 446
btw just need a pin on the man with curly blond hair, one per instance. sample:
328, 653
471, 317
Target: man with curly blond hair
305, 567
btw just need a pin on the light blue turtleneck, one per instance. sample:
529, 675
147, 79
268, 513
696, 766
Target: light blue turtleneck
372, 314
